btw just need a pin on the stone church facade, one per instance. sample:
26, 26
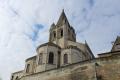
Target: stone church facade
62, 58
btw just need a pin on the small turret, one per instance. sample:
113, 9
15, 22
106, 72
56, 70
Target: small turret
52, 26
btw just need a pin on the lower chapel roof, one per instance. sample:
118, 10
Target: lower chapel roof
33, 57
48, 44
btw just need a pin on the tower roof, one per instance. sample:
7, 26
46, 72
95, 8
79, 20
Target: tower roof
62, 18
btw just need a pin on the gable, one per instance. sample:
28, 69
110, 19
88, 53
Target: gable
116, 45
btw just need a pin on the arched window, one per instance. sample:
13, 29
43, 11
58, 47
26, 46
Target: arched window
28, 68
40, 58
61, 32
54, 34
65, 58
51, 58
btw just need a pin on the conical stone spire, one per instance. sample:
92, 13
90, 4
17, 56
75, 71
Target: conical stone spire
62, 19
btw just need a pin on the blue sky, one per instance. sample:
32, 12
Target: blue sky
24, 24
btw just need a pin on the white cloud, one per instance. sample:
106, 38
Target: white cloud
93, 20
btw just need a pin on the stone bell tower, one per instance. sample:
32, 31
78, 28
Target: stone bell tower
62, 32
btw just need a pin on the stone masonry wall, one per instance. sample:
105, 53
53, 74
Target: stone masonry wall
109, 68
106, 68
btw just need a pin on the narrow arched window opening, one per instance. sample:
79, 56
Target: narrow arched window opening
54, 34
61, 32
28, 68
65, 58
40, 58
51, 58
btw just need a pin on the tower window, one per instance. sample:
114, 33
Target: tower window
65, 58
40, 58
54, 34
61, 32
51, 58
28, 68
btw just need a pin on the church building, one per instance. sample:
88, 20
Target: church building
63, 58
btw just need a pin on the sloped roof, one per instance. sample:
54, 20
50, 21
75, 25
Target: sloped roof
49, 44
33, 57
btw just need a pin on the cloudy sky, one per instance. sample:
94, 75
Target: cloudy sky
24, 24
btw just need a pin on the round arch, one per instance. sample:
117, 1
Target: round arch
51, 58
